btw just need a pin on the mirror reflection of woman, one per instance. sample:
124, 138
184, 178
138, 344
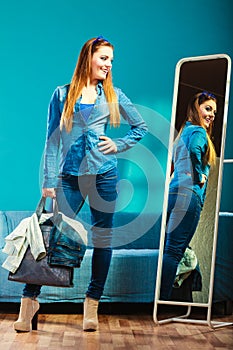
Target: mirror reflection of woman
193, 155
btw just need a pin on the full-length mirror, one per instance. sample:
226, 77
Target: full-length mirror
196, 147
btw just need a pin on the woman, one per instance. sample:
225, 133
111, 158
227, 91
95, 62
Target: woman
77, 120
193, 154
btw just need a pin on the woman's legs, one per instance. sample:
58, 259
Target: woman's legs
183, 215
101, 191
102, 194
31, 291
71, 193
102, 203
102, 197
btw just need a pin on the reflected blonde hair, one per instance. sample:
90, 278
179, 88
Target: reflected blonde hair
194, 116
81, 75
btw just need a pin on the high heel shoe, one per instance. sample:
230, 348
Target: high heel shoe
28, 315
90, 317
34, 322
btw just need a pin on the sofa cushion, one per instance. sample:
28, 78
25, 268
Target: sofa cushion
131, 278
131, 230
136, 231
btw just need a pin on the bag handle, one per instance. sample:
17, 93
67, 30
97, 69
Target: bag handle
41, 206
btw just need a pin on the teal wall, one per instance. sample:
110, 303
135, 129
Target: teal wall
40, 42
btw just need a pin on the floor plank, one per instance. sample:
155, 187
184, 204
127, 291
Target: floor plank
116, 332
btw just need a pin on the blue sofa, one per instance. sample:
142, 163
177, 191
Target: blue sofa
133, 268
223, 279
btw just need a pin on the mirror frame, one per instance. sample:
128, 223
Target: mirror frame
208, 305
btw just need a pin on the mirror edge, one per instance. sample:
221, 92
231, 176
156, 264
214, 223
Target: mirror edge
165, 200
220, 175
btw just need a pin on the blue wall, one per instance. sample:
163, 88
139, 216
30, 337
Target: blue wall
40, 43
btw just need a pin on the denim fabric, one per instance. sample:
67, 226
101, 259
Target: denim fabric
86, 109
188, 158
65, 246
184, 209
31, 291
101, 191
79, 153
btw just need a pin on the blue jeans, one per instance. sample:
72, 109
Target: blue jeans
183, 214
101, 190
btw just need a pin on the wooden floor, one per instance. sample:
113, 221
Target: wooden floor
116, 332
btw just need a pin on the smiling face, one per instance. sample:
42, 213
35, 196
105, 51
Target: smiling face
101, 63
207, 111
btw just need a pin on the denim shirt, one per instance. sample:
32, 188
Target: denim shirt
188, 158
77, 150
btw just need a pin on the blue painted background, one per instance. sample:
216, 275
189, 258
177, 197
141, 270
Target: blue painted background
40, 42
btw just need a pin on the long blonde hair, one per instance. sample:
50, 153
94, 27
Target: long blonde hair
194, 117
80, 78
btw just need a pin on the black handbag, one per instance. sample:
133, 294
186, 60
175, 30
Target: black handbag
40, 272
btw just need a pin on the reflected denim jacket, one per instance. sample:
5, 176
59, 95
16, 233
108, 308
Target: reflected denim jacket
188, 158
77, 150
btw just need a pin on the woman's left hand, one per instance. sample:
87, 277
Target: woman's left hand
107, 145
203, 180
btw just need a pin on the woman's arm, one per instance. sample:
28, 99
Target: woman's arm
138, 127
52, 143
197, 149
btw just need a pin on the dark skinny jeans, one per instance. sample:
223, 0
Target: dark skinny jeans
101, 191
183, 215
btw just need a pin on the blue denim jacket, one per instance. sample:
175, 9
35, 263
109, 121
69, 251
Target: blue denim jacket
77, 150
188, 158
